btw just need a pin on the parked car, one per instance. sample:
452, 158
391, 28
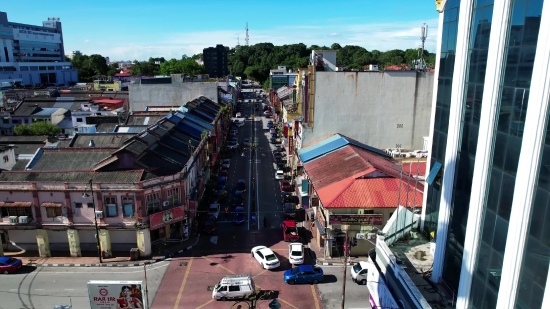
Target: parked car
222, 172
273, 131
9, 265
226, 163
296, 253
241, 185
238, 123
221, 196
270, 124
234, 131
221, 183
246, 142
280, 165
290, 231
289, 198
265, 257
277, 156
289, 210
238, 115
238, 217
214, 210
279, 175
286, 186
231, 145
304, 274
267, 115
274, 140
210, 225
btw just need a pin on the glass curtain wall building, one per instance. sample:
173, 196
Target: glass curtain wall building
488, 193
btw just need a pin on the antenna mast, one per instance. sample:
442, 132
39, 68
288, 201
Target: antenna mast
246, 38
238, 42
423, 36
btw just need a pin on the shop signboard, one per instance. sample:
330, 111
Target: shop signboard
290, 145
370, 219
109, 294
163, 218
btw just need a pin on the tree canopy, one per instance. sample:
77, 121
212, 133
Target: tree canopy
89, 67
186, 65
37, 128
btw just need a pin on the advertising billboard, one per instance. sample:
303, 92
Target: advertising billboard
108, 294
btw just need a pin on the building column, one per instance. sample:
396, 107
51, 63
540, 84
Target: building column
167, 230
74, 242
105, 243
528, 168
143, 238
43, 243
484, 151
453, 136
432, 116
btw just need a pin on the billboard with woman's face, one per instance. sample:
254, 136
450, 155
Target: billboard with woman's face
106, 294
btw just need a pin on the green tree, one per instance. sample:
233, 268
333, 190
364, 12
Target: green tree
185, 66
37, 128
113, 69
145, 68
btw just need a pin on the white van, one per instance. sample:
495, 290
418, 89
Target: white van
234, 286
359, 273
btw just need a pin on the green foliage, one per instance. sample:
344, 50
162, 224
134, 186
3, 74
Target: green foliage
147, 68
37, 128
266, 84
255, 61
113, 69
90, 67
188, 66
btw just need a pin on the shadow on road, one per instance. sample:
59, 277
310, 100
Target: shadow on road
26, 269
329, 279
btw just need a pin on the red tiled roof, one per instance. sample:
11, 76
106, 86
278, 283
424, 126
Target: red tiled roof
369, 193
413, 167
46, 204
15, 204
109, 101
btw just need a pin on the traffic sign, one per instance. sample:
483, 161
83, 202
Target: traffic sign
331, 239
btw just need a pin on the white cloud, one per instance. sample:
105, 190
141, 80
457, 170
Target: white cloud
380, 36
86, 40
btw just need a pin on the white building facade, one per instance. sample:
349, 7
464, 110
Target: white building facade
32, 54
488, 194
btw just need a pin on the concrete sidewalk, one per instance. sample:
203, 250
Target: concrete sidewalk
337, 261
171, 250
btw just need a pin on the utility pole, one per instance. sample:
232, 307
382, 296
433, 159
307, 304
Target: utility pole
346, 250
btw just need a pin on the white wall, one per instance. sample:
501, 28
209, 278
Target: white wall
175, 94
10, 154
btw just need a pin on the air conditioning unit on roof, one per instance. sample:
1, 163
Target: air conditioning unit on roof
23, 219
13, 219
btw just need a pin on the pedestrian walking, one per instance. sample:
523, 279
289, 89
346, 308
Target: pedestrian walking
265, 222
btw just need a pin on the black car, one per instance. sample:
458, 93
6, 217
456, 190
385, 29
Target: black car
289, 210
221, 196
241, 185
289, 198
238, 198
281, 166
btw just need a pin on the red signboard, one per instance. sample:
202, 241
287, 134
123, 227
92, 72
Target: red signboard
373, 219
163, 218
290, 145
285, 130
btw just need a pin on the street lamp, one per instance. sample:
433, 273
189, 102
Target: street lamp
86, 195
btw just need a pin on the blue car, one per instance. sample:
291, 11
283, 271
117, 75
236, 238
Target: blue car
221, 183
239, 215
304, 274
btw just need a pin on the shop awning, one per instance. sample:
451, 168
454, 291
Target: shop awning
15, 204
320, 227
51, 204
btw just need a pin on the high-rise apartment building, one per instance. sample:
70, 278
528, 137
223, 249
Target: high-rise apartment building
488, 198
32, 54
215, 61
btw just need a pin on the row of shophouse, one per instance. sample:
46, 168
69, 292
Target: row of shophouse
140, 184
356, 145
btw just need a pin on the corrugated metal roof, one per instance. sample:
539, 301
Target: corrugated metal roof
321, 148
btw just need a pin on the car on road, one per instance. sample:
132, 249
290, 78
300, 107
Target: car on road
289, 198
277, 156
221, 196
267, 115
270, 124
289, 210
286, 186
246, 142
290, 231
9, 265
279, 148
279, 175
238, 123
272, 131
266, 257
304, 274
210, 225
222, 172
234, 131
238, 217
222, 181
241, 185
214, 210
359, 273
274, 140
238, 198
226, 163
231, 137
296, 253
280, 165
231, 145
238, 115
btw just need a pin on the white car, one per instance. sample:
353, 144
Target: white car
265, 257
233, 146
238, 115
214, 210
296, 253
226, 163
279, 175
246, 142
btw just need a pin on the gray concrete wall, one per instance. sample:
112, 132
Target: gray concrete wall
371, 107
175, 94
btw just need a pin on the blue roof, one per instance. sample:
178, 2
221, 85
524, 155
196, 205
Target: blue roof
46, 111
321, 148
174, 118
196, 120
189, 129
331, 144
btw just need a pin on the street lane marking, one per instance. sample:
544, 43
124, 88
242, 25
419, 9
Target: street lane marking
218, 265
207, 303
314, 293
176, 304
265, 270
164, 264
291, 305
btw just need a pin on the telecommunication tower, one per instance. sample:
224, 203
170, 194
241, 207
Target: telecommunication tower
238, 41
423, 36
246, 38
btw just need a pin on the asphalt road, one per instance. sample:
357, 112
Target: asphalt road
357, 296
45, 287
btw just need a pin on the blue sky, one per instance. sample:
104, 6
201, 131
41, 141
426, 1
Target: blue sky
139, 29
